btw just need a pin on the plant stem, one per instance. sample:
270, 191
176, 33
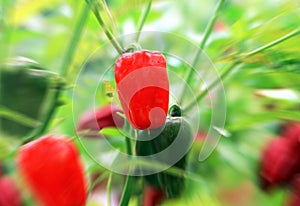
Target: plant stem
207, 33
238, 61
127, 191
129, 180
110, 16
271, 44
142, 20
95, 8
128, 146
18, 117
66, 62
108, 189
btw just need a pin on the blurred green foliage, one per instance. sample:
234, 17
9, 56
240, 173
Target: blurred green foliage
41, 30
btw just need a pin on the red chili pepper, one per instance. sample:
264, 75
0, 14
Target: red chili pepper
280, 162
143, 88
100, 118
52, 169
9, 193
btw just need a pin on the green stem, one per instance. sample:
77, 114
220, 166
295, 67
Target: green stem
129, 180
18, 117
71, 49
271, 44
95, 8
108, 189
128, 146
127, 191
143, 20
238, 61
66, 62
110, 16
207, 33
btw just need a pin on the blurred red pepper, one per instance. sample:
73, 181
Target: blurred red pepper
220, 26
95, 120
52, 169
9, 193
280, 161
143, 88
281, 158
152, 196
294, 197
291, 131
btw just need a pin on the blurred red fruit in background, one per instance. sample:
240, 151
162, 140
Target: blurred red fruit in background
93, 121
152, 196
294, 197
280, 162
9, 193
52, 169
292, 132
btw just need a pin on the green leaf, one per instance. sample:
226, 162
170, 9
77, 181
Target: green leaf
111, 132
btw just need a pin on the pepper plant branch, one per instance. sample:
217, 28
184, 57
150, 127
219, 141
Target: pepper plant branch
127, 191
95, 7
110, 16
66, 62
108, 189
129, 180
271, 44
142, 20
206, 35
18, 117
238, 61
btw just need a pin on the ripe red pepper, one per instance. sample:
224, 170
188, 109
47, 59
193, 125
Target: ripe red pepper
52, 169
143, 88
9, 193
100, 118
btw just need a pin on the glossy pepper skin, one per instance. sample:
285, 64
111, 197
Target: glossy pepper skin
143, 88
172, 185
51, 168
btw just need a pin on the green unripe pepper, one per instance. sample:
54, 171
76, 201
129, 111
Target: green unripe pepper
23, 89
174, 127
